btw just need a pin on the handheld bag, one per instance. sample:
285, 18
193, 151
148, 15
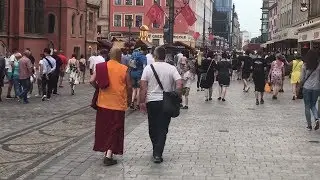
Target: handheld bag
171, 100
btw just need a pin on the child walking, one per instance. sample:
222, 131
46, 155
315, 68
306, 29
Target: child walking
188, 77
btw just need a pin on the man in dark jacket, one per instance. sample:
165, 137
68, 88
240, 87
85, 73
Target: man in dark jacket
57, 71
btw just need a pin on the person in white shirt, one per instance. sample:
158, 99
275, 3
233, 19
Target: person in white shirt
9, 64
150, 59
91, 62
188, 78
151, 98
47, 68
94, 61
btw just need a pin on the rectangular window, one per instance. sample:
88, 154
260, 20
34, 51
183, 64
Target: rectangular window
139, 2
2, 15
138, 21
99, 29
155, 25
117, 2
128, 20
314, 8
156, 42
91, 21
34, 16
117, 20
129, 2
156, 2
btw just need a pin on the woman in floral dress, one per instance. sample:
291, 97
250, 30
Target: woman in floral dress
276, 75
73, 71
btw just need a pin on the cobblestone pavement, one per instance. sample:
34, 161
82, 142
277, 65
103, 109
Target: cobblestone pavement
215, 140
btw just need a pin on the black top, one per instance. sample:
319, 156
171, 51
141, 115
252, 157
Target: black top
205, 67
224, 67
58, 63
258, 66
247, 63
32, 59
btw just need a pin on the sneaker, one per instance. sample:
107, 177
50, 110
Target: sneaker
198, 90
309, 128
257, 102
210, 99
132, 106
44, 97
223, 100
185, 107
274, 97
157, 159
207, 100
294, 98
109, 161
219, 98
281, 90
29, 96
37, 95
316, 127
247, 90
9, 97
261, 101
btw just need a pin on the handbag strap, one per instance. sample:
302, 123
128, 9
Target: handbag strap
157, 77
209, 66
308, 77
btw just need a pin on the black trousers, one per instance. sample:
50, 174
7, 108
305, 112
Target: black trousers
198, 80
158, 126
55, 82
47, 85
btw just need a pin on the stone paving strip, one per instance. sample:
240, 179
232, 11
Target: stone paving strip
235, 140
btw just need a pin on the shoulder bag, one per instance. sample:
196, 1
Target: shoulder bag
203, 76
300, 93
171, 100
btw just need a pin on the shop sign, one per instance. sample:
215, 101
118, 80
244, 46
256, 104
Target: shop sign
175, 37
310, 35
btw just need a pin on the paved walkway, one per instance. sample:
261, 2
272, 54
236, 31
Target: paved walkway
215, 140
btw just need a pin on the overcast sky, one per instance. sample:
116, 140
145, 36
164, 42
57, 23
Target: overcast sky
249, 13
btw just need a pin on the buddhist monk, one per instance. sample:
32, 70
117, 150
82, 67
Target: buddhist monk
111, 104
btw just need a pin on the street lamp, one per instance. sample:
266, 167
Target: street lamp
130, 26
304, 6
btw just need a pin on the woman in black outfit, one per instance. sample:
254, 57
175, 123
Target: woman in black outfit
224, 69
208, 66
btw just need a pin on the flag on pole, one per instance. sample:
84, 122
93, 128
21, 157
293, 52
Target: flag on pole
188, 15
155, 14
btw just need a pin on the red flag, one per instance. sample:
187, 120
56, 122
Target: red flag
155, 14
196, 35
188, 15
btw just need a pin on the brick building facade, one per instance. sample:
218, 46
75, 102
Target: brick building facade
38, 24
121, 11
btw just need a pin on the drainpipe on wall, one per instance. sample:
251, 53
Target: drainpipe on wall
8, 25
85, 30
60, 24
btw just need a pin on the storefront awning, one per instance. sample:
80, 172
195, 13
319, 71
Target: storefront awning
289, 33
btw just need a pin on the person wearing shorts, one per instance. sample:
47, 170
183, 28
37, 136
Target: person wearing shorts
137, 64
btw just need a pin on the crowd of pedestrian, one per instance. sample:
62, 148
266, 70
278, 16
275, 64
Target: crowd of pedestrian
147, 80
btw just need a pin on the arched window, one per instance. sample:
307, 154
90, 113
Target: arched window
51, 23
2, 15
73, 19
81, 24
34, 16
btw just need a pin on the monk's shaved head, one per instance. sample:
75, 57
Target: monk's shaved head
115, 54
